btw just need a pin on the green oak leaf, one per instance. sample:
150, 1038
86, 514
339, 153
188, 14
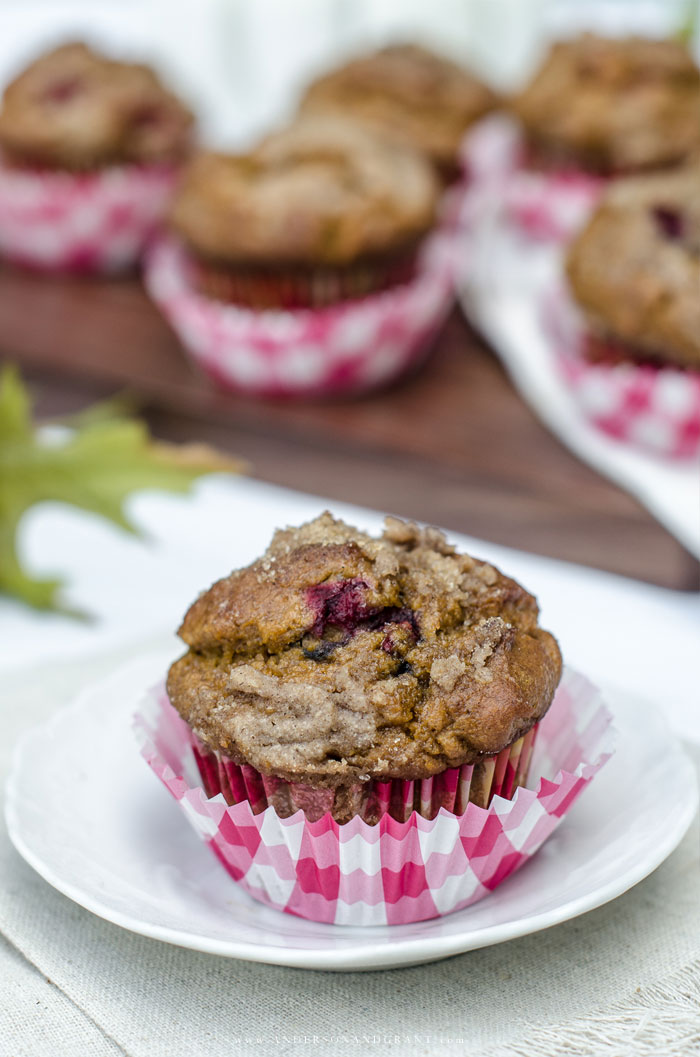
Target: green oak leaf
95, 465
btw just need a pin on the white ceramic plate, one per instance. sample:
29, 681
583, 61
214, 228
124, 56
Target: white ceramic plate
86, 812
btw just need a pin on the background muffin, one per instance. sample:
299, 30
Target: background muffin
612, 106
338, 661
90, 149
634, 270
74, 108
409, 95
318, 213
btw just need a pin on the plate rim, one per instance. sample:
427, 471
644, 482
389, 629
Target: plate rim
403, 952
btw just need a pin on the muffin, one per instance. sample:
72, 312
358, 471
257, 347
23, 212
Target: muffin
611, 106
408, 95
318, 213
351, 729
90, 149
634, 271
358, 676
76, 109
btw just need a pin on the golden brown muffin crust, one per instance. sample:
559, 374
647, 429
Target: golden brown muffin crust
76, 109
408, 94
613, 105
635, 268
321, 191
338, 656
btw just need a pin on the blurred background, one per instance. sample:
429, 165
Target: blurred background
243, 62
461, 443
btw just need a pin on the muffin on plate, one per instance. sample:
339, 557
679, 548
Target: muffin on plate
351, 729
318, 213
90, 148
634, 271
358, 676
610, 106
407, 94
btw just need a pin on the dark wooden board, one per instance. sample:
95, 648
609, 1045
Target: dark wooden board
454, 444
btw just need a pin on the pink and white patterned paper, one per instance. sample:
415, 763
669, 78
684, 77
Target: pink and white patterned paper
553, 206
349, 348
656, 408
93, 222
499, 775
544, 206
393, 872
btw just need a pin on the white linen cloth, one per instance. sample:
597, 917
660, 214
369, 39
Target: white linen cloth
625, 978
622, 979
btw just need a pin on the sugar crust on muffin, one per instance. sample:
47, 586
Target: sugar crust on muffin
339, 657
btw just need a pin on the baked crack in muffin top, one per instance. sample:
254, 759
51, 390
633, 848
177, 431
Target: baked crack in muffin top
322, 191
612, 105
635, 268
76, 109
408, 94
338, 657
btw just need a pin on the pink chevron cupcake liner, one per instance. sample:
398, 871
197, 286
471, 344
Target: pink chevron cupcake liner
651, 406
396, 871
344, 349
546, 206
452, 790
95, 222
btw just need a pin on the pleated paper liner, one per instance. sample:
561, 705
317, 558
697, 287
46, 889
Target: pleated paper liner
452, 790
344, 349
285, 287
544, 204
95, 222
551, 207
396, 871
644, 404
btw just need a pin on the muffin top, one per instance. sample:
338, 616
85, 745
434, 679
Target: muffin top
407, 94
635, 268
319, 191
76, 109
612, 105
338, 656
